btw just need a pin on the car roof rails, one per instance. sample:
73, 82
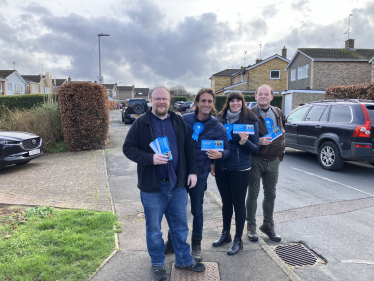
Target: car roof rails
343, 100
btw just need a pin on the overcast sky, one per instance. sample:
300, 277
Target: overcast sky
169, 42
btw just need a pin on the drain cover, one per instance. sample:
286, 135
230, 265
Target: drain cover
211, 273
296, 254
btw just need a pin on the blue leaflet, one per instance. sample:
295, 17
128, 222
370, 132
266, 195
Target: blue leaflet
212, 144
161, 146
276, 133
244, 128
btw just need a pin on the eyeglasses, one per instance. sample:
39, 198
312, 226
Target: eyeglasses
160, 99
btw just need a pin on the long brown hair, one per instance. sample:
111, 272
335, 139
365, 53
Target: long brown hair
197, 99
245, 114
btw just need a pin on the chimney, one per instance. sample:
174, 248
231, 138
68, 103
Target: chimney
350, 44
69, 79
242, 68
258, 61
284, 52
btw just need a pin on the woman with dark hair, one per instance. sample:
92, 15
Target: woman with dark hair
232, 174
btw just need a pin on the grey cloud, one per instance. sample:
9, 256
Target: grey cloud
36, 9
301, 5
270, 11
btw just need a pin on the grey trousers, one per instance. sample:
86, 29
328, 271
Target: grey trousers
267, 171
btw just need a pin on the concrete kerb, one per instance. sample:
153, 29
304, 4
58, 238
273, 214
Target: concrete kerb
285, 268
115, 234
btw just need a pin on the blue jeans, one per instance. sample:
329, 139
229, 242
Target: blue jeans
173, 203
197, 199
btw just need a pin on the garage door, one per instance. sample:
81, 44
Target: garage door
287, 104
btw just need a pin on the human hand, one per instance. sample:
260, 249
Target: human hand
214, 154
213, 170
191, 180
160, 159
244, 137
265, 141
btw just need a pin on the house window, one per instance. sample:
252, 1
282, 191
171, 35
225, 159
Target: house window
18, 88
213, 81
34, 88
1, 86
275, 74
46, 90
241, 78
293, 74
302, 71
114, 93
236, 79
9, 87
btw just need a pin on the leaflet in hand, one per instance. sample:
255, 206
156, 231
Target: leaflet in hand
212, 144
161, 146
244, 128
274, 134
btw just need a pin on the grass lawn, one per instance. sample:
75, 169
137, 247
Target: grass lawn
43, 243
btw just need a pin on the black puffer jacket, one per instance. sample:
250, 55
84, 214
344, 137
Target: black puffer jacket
218, 132
240, 155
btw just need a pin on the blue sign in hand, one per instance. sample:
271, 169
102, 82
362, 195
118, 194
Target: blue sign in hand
228, 128
269, 124
198, 127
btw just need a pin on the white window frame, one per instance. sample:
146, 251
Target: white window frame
293, 74
46, 90
242, 78
236, 79
9, 87
213, 81
114, 93
34, 88
18, 88
279, 76
302, 71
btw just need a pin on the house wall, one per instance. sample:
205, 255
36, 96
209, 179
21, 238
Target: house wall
261, 75
123, 95
302, 98
220, 82
14, 79
300, 60
372, 71
327, 74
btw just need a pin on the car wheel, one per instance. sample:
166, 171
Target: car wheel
329, 156
138, 108
23, 163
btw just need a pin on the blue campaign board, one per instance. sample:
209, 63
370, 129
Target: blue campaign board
212, 144
243, 128
162, 146
276, 133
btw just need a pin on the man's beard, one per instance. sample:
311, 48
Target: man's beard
161, 113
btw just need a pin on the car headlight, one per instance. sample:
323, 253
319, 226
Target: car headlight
9, 142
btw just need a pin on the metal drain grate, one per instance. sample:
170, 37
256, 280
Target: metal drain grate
297, 254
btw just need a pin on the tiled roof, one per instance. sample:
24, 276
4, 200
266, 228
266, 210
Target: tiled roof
32, 78
344, 54
59, 82
5, 73
144, 91
226, 72
125, 88
108, 86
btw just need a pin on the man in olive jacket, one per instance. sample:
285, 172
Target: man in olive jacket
265, 165
162, 181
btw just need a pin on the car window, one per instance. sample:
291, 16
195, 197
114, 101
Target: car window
340, 114
371, 112
315, 113
325, 115
298, 114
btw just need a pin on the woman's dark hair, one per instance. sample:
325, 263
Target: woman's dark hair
245, 114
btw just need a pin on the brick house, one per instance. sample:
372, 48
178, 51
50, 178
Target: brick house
312, 70
12, 83
34, 83
124, 92
141, 93
247, 79
221, 79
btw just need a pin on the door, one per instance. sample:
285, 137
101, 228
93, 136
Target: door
287, 104
292, 123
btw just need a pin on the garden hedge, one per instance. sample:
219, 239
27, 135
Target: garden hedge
112, 104
25, 101
221, 100
84, 114
180, 98
356, 91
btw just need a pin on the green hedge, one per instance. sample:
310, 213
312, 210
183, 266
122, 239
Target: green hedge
180, 98
25, 101
221, 100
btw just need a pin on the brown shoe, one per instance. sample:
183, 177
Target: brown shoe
268, 229
251, 232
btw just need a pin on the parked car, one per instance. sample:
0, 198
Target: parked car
251, 104
191, 108
133, 109
177, 103
19, 148
335, 130
184, 106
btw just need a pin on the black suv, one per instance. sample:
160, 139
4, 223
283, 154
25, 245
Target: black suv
335, 130
133, 109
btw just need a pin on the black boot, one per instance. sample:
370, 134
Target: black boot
225, 237
251, 232
196, 248
236, 246
268, 229
168, 245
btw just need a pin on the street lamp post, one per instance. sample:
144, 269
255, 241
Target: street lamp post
118, 94
100, 79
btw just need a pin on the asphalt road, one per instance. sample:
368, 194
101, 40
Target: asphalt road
332, 213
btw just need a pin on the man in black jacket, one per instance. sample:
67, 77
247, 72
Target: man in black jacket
162, 182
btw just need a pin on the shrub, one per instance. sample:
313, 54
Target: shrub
180, 98
221, 100
44, 121
112, 104
84, 114
357, 91
26, 101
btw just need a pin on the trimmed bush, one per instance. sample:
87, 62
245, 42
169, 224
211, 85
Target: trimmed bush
85, 114
180, 98
221, 100
356, 91
112, 104
26, 101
